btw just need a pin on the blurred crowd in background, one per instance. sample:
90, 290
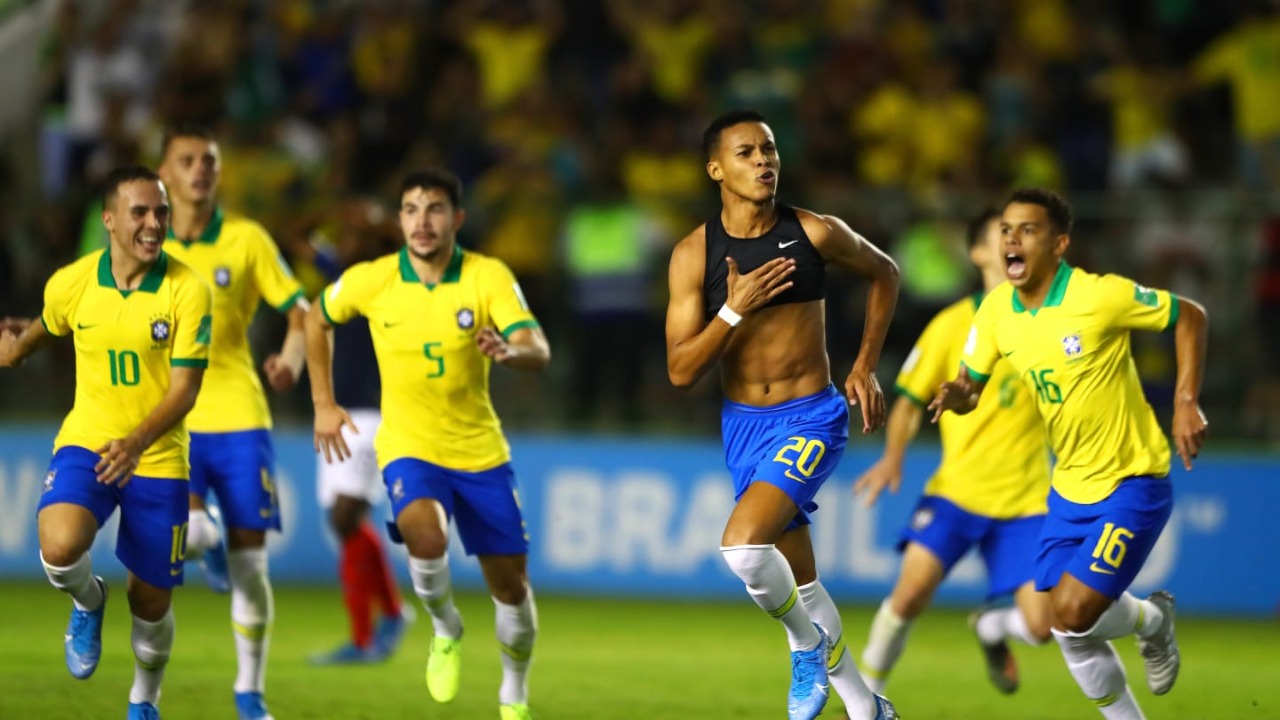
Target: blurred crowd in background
575, 125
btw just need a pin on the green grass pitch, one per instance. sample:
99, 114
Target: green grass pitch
596, 659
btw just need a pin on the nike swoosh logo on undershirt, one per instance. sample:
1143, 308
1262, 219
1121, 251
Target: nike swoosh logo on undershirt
782, 245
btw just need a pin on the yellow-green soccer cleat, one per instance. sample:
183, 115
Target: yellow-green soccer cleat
444, 666
515, 711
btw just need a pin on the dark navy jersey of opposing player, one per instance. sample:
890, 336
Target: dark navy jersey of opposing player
786, 239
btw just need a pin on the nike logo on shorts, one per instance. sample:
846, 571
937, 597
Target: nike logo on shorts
1105, 571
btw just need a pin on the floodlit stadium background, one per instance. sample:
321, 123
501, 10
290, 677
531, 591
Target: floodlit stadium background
1159, 119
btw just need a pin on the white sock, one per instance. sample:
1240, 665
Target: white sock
152, 643
77, 581
771, 584
885, 643
202, 533
1096, 667
843, 674
516, 627
994, 626
1127, 616
431, 582
252, 610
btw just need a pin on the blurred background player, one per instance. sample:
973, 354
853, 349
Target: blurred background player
142, 325
748, 291
1066, 332
441, 447
989, 490
348, 488
231, 451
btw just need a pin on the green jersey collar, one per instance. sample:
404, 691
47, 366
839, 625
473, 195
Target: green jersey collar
150, 282
210, 233
452, 273
1057, 290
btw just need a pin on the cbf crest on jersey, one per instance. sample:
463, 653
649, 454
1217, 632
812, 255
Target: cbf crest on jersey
466, 319
1071, 345
222, 276
161, 329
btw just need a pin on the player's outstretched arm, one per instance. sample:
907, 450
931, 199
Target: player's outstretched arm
960, 396
900, 430
841, 246
330, 416
693, 345
1190, 341
120, 457
526, 349
19, 338
284, 368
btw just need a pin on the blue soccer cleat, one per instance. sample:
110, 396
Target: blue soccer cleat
214, 560
348, 654
83, 640
885, 709
143, 711
251, 706
391, 630
809, 687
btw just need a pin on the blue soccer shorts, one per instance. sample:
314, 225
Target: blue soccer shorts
152, 539
794, 445
1105, 544
240, 469
485, 505
1007, 546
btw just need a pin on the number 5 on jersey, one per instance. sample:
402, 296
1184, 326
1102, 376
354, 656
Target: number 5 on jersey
431, 350
803, 455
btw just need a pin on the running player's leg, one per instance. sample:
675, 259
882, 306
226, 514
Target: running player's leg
72, 508
150, 544
1006, 552
205, 541
246, 492
491, 526
1088, 558
859, 701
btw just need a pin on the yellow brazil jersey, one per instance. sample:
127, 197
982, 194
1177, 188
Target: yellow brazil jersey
1073, 356
995, 460
242, 265
435, 380
126, 341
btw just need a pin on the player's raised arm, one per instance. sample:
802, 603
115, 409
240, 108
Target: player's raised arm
120, 457
525, 349
1190, 342
694, 345
960, 396
330, 417
15, 348
841, 246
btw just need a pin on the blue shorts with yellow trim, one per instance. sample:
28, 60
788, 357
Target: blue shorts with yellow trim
1105, 544
240, 469
152, 539
794, 445
948, 531
484, 505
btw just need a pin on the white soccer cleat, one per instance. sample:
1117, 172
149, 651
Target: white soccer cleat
1160, 650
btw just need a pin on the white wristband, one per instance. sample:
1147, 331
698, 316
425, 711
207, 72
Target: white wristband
729, 316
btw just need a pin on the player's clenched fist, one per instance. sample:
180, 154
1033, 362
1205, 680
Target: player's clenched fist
753, 290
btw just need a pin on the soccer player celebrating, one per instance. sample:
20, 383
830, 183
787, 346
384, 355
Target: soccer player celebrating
231, 452
747, 291
989, 490
141, 327
1066, 333
440, 316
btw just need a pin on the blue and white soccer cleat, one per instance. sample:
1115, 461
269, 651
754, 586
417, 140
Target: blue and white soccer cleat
885, 709
143, 711
391, 630
809, 686
348, 654
214, 560
83, 640
1160, 650
251, 706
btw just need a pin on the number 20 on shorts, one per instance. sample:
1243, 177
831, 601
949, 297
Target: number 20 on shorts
803, 454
